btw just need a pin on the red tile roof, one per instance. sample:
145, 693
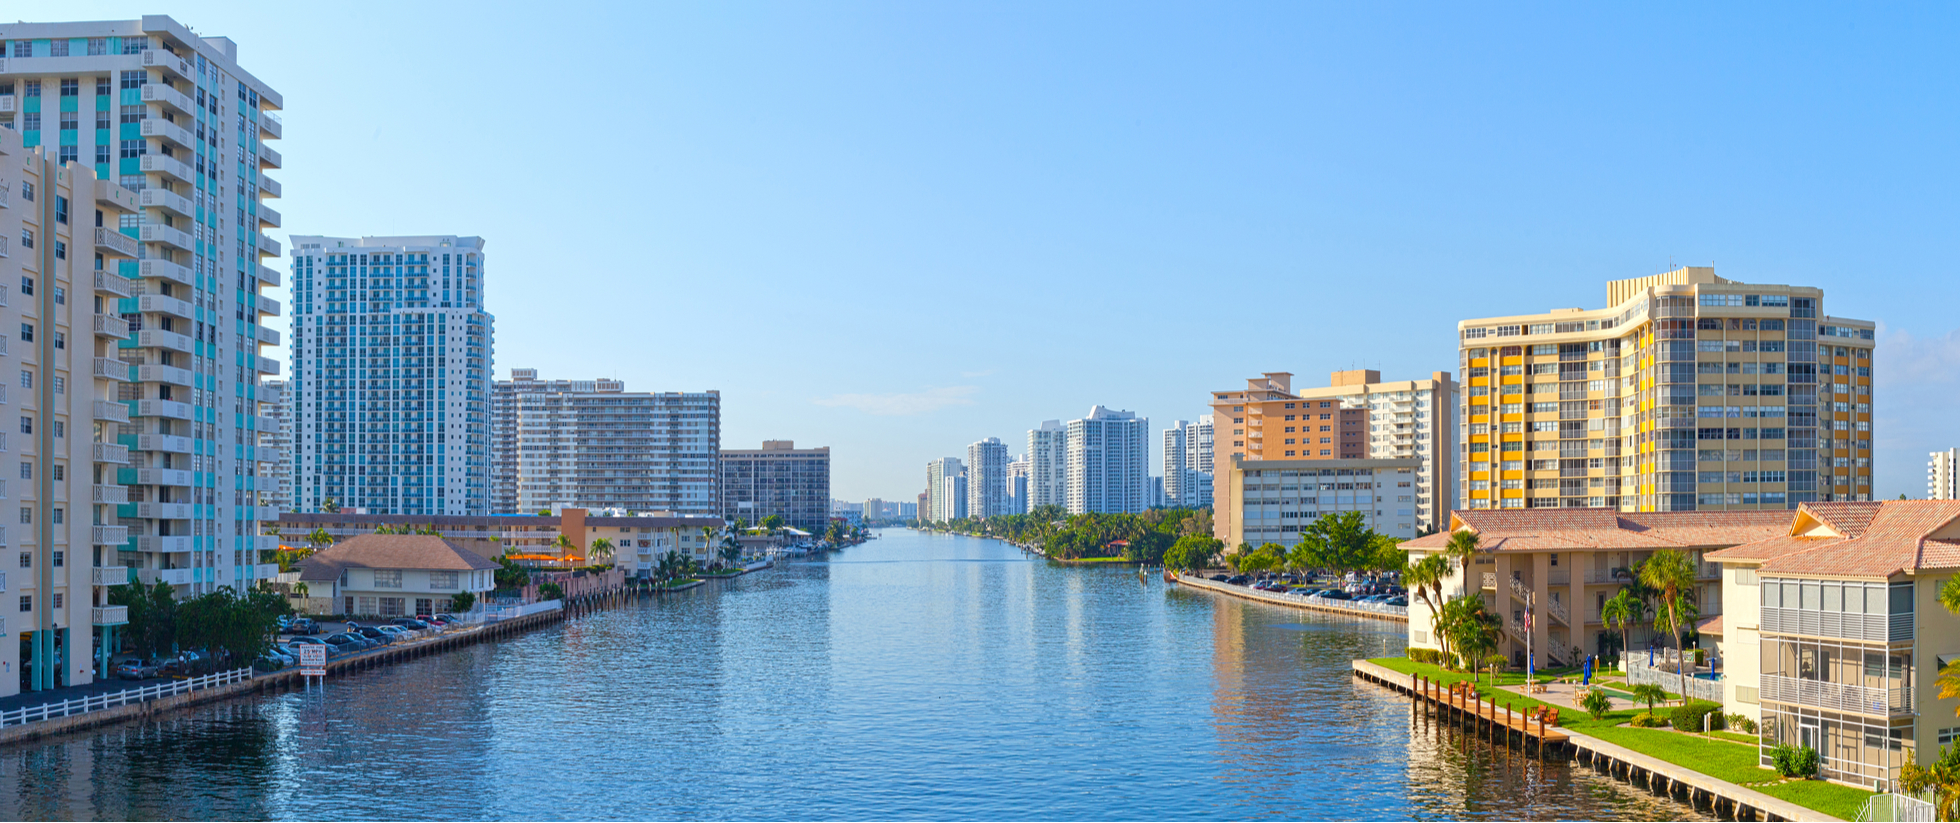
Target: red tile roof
1847, 518
1712, 626
391, 551
1561, 529
1882, 539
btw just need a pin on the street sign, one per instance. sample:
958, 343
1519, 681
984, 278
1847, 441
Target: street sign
312, 660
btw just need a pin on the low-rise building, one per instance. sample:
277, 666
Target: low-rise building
638, 541
1273, 500
396, 575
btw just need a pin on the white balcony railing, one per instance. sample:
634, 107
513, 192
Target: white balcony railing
108, 615
1842, 697
112, 283
108, 575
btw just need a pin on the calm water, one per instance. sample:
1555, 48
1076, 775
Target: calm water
914, 677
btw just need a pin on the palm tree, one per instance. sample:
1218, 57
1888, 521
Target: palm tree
1462, 548
300, 588
1672, 575
1649, 693
1470, 627
564, 545
602, 547
1425, 578
319, 539
1620, 613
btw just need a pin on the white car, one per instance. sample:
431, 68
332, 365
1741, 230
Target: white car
401, 634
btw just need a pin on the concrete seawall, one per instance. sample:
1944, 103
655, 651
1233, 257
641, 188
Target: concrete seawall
1308, 603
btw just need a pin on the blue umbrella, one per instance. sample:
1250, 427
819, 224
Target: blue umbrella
1586, 680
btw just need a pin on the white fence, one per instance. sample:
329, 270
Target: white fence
1896, 808
1699, 689
110, 700
496, 613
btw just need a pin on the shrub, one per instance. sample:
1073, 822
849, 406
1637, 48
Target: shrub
1794, 761
1430, 656
1647, 720
1742, 722
1597, 704
1688, 718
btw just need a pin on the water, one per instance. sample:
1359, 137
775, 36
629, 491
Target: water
914, 677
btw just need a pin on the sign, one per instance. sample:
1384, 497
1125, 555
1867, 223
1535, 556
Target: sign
313, 660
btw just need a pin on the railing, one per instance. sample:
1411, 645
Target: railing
1874, 627
123, 245
1490, 580
1897, 808
1842, 697
1699, 689
99, 702
112, 283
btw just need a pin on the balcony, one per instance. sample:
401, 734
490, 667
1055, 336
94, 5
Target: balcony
108, 575
111, 283
266, 424
169, 166
167, 545
168, 201
108, 535
269, 246
1842, 697
109, 453
163, 408
173, 577
265, 571
107, 193
269, 276
1880, 628
107, 495
168, 236
170, 98
110, 326
265, 336
165, 270
160, 304
111, 411
269, 216
268, 305
269, 157
270, 126
7, 104
166, 130
109, 615
173, 375
177, 444
158, 58
268, 365
113, 243
164, 511
162, 477
111, 369
158, 338
269, 186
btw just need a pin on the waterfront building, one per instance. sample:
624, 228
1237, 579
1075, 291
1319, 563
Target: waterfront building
945, 497
638, 540
916, 509
124, 137
1156, 492
1108, 462
1188, 463
1688, 392
1358, 416
778, 479
874, 509
275, 445
1048, 465
1019, 472
392, 354
1835, 637
1943, 476
986, 478
385, 576
1273, 500
594, 445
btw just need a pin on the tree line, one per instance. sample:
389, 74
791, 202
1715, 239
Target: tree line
234, 627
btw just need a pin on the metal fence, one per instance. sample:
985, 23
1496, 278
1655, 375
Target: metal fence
1896, 808
110, 700
1699, 689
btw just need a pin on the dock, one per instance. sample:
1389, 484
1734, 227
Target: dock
1651, 773
1316, 604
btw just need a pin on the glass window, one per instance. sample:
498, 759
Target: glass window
1810, 594
1833, 597
1902, 599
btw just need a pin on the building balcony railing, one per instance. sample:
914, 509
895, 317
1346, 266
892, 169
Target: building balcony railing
163, 443
174, 409
1880, 628
160, 304
158, 58
270, 126
168, 201
269, 217
111, 283
113, 243
108, 535
173, 577
111, 369
109, 453
152, 373
108, 575
168, 131
108, 615
1842, 697
269, 157
268, 185
163, 477
168, 166
164, 511
110, 411
173, 543
165, 269
172, 98
160, 339
111, 326
107, 495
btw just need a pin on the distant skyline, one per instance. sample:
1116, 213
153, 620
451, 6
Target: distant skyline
895, 229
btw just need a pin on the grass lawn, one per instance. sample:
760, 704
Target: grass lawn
1738, 737
1720, 760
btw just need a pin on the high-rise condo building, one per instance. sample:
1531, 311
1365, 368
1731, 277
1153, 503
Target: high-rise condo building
133, 188
1943, 476
1358, 417
392, 352
1187, 463
945, 497
986, 478
594, 445
1108, 462
1019, 472
874, 509
778, 479
276, 445
1048, 465
1688, 392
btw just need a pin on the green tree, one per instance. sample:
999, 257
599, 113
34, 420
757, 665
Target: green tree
461, 602
1671, 573
1425, 577
1462, 548
772, 524
1193, 552
1340, 542
1470, 626
551, 591
152, 626
1649, 693
1942, 777
1620, 613
319, 539
730, 554
601, 548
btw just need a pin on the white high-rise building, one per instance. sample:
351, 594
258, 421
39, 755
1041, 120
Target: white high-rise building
986, 478
592, 444
1048, 465
945, 490
1019, 473
392, 352
1108, 462
1943, 476
133, 190
276, 445
1187, 463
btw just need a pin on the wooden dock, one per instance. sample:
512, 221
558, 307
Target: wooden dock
1651, 773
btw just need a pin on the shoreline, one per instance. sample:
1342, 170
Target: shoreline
1308, 604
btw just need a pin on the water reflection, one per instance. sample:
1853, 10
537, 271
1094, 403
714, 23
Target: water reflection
915, 677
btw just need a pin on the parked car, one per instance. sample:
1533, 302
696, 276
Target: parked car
300, 625
137, 668
1335, 594
1397, 600
414, 624
398, 633
375, 634
1238, 580
1218, 578
185, 663
349, 642
296, 641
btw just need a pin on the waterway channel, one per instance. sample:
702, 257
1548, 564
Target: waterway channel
914, 677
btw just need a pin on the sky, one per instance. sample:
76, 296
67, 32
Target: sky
894, 229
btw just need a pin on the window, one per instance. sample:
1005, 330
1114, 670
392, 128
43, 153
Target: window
26, 516
26, 471
442, 580
27, 425
27, 560
27, 602
27, 238
26, 379
27, 334
387, 578
98, 47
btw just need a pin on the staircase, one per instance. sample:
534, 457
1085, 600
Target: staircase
1552, 605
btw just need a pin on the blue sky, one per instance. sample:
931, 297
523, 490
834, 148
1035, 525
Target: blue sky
897, 228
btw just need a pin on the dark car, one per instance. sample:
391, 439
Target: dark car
1335, 594
184, 663
301, 625
413, 623
1238, 580
138, 669
349, 642
379, 637
1397, 600
1218, 578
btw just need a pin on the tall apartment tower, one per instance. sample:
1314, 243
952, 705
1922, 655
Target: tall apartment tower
1019, 472
1108, 462
778, 479
1187, 463
1688, 392
392, 364
1943, 476
276, 446
1357, 417
134, 173
986, 478
1048, 465
874, 509
945, 490
591, 444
